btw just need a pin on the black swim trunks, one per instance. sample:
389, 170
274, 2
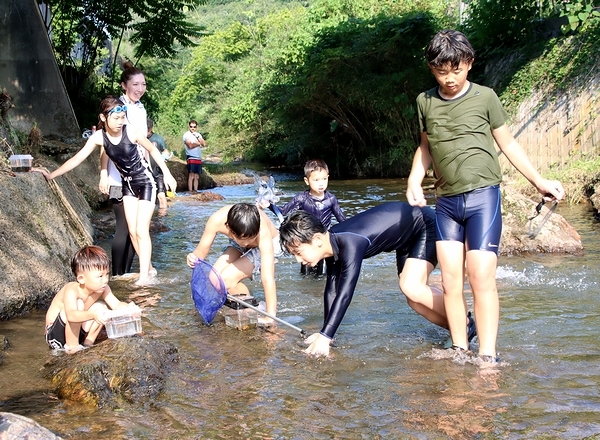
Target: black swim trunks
55, 334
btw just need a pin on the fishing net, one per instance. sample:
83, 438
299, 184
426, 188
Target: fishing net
208, 290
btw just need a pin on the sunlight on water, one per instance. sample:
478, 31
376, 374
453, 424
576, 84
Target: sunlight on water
388, 376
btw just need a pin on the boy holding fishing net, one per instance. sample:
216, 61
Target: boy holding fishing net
253, 245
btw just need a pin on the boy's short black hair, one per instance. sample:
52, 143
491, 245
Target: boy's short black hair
243, 219
89, 258
314, 165
298, 228
449, 47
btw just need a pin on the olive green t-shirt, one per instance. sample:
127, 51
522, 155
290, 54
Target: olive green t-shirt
459, 132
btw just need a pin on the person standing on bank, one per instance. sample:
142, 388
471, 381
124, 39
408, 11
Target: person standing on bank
459, 122
193, 143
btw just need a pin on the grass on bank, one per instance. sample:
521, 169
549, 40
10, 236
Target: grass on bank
579, 179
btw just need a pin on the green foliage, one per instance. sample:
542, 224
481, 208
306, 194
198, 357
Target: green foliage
80, 30
555, 68
578, 13
494, 26
336, 79
351, 96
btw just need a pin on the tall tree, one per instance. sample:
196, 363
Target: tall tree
84, 33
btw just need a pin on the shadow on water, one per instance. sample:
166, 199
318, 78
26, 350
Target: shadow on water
387, 377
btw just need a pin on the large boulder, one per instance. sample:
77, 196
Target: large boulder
526, 231
129, 369
42, 225
178, 169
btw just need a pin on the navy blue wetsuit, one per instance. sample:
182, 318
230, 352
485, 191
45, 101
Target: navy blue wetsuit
397, 226
136, 175
323, 209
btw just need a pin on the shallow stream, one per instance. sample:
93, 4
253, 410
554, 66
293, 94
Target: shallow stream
387, 377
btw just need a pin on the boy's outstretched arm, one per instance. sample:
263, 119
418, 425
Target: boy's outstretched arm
267, 267
421, 162
215, 224
93, 141
112, 301
517, 156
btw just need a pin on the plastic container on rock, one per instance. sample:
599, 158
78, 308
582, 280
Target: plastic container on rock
20, 162
123, 322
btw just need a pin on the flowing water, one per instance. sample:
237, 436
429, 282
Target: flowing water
387, 377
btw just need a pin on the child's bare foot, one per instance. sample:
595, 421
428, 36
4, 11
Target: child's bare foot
70, 350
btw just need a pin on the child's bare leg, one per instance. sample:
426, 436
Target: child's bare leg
92, 327
481, 270
233, 269
71, 332
451, 258
162, 201
139, 214
427, 301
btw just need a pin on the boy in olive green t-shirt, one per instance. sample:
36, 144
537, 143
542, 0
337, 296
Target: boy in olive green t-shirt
459, 123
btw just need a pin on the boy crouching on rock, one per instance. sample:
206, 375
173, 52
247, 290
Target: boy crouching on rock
75, 316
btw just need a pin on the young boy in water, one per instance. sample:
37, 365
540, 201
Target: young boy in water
253, 245
75, 316
459, 122
397, 226
317, 201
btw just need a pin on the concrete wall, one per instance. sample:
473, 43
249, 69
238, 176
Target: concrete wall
29, 73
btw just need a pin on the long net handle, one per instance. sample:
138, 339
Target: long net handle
262, 312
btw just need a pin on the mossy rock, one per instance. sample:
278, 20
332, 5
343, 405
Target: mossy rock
125, 370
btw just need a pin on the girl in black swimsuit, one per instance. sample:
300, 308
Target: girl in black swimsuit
139, 188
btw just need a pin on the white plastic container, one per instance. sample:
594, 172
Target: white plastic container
20, 162
123, 322
242, 319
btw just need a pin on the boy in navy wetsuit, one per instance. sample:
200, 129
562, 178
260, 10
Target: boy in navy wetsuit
397, 226
459, 122
317, 201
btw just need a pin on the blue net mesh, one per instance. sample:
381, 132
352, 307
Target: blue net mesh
208, 290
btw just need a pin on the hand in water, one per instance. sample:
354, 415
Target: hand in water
265, 321
318, 345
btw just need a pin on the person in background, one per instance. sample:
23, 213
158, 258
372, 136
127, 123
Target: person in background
193, 143
75, 316
317, 201
396, 226
459, 122
159, 143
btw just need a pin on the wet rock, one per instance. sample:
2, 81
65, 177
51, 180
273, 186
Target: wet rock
178, 169
207, 196
42, 225
545, 233
4, 345
594, 196
16, 427
130, 369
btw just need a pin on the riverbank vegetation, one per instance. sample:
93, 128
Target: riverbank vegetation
279, 81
